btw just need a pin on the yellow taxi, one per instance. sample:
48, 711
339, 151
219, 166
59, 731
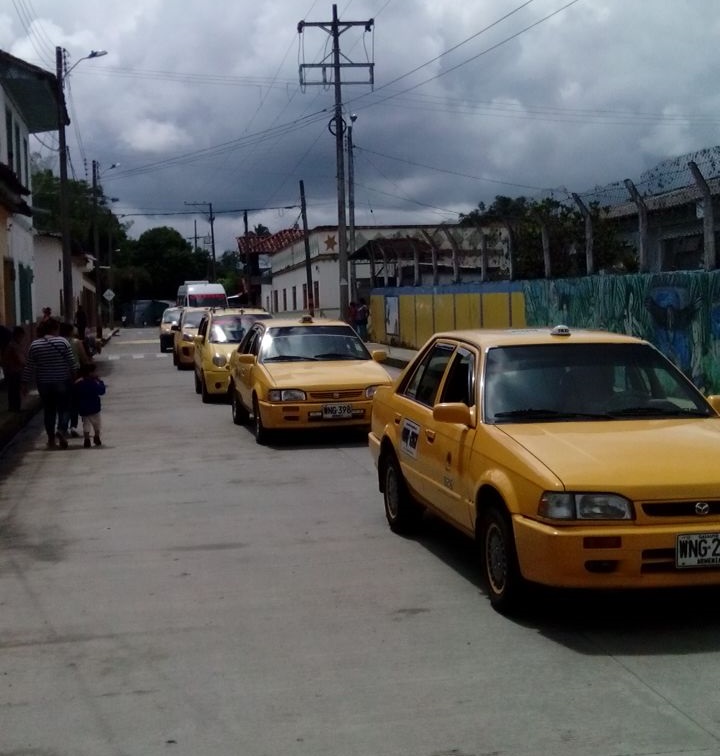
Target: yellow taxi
575, 459
304, 374
170, 317
185, 331
219, 333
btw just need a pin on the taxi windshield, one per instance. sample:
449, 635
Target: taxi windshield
303, 343
192, 319
566, 382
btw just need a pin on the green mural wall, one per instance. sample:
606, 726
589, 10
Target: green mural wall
678, 312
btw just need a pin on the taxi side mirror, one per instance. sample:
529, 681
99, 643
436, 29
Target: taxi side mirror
453, 412
714, 402
379, 355
245, 359
175, 327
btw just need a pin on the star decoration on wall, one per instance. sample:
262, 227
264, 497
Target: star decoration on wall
330, 243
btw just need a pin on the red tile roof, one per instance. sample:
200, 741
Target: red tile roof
268, 245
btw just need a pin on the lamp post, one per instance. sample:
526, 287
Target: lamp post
63, 120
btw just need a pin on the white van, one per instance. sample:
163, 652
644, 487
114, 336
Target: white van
201, 294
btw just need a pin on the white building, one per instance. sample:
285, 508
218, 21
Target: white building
384, 256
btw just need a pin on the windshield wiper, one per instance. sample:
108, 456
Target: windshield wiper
659, 412
289, 358
336, 356
549, 414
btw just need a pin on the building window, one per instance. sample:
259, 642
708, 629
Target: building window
267, 303
305, 302
275, 301
284, 300
294, 297
316, 294
9, 137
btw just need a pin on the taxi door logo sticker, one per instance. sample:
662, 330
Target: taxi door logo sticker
409, 438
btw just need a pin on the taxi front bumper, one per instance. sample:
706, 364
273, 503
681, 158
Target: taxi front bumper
608, 555
288, 415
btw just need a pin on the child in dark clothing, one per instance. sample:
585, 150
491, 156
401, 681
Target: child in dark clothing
88, 389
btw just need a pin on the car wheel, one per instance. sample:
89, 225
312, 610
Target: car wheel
500, 568
261, 433
240, 415
402, 512
203, 390
175, 359
198, 387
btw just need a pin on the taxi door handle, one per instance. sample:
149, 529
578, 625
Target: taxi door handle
398, 418
430, 435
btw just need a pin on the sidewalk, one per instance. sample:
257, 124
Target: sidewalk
12, 422
396, 356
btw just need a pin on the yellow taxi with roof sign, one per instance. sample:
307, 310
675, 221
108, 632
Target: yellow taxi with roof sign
185, 331
305, 374
219, 333
579, 459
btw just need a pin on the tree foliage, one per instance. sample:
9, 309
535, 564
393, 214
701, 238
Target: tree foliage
524, 220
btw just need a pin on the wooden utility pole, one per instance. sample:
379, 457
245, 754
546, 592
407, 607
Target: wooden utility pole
643, 265
337, 125
308, 265
212, 235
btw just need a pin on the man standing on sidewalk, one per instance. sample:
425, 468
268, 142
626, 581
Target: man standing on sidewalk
52, 365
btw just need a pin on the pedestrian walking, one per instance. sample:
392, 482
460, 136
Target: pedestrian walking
13, 363
51, 365
361, 319
80, 322
70, 420
87, 390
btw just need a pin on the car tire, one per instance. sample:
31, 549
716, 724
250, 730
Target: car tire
403, 513
175, 359
240, 415
261, 433
198, 387
501, 572
206, 398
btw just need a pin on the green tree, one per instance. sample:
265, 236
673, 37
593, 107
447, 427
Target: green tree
165, 258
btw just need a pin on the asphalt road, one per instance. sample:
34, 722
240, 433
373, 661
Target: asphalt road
181, 590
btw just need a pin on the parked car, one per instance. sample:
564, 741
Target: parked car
218, 336
184, 333
304, 374
574, 458
170, 317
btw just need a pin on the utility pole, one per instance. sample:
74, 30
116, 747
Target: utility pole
96, 251
337, 125
308, 264
63, 120
246, 259
351, 205
212, 235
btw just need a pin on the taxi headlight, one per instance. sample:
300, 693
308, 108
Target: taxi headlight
370, 391
219, 360
584, 506
286, 395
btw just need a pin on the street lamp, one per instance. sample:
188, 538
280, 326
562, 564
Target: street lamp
64, 120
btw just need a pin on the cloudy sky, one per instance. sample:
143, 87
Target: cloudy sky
200, 102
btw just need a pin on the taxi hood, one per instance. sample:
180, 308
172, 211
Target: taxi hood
327, 374
633, 457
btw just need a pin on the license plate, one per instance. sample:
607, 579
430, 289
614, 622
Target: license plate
337, 411
697, 550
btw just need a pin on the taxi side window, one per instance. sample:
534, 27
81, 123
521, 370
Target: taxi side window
460, 382
202, 328
425, 381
